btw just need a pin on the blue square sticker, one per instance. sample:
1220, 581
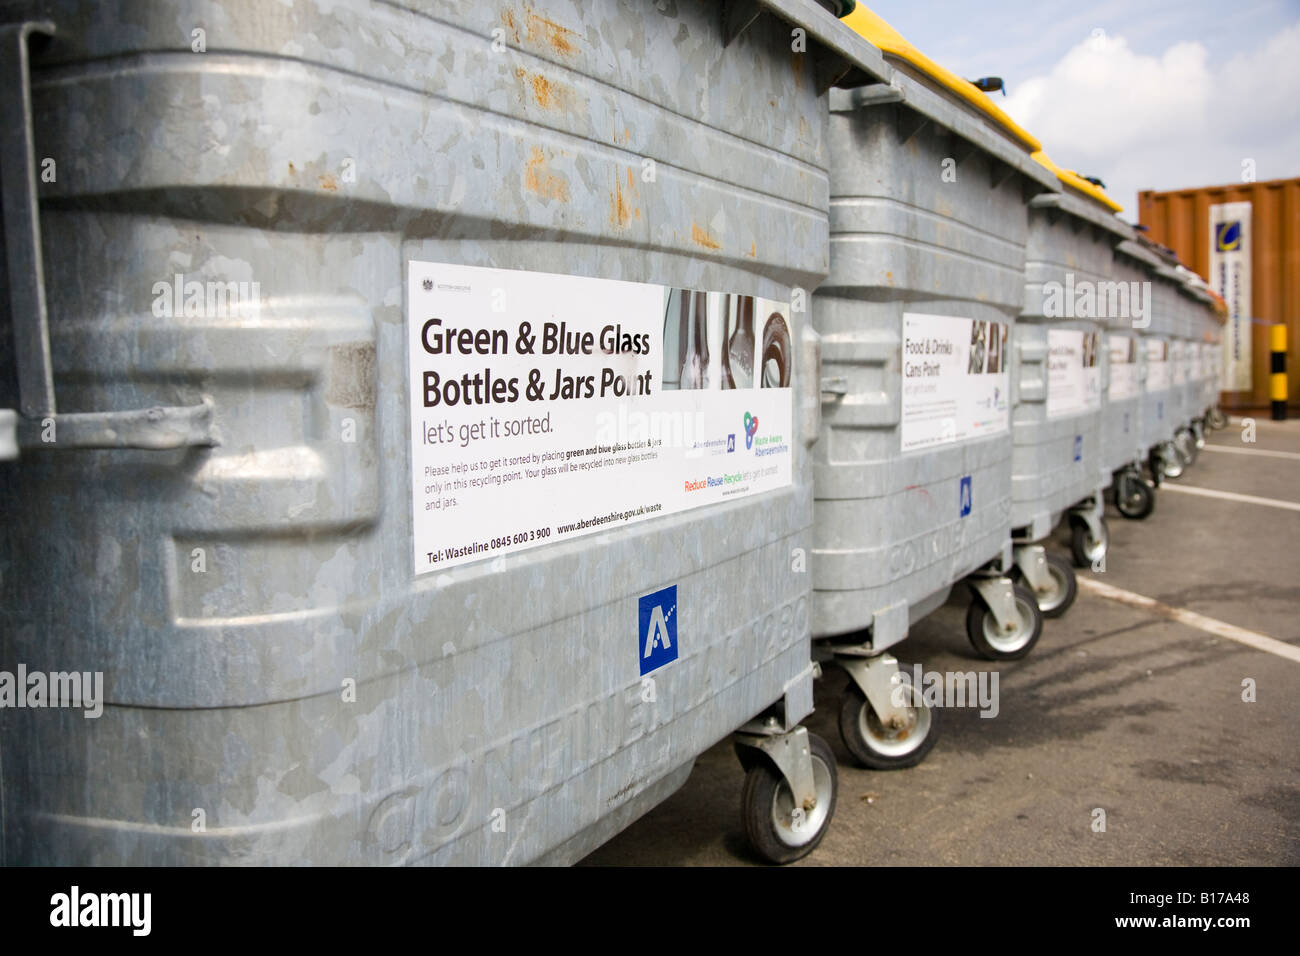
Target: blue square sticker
1078, 448
965, 495
731, 443
657, 629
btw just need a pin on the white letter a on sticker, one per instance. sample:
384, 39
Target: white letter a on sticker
657, 632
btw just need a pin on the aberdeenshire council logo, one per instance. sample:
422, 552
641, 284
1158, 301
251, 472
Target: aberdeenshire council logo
1227, 236
751, 429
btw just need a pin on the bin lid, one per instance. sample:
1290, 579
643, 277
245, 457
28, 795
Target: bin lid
1219, 304
884, 37
1193, 284
1077, 182
1086, 210
1135, 250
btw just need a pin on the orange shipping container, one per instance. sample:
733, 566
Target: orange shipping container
1180, 219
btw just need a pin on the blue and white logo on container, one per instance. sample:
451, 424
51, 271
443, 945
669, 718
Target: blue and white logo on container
657, 629
965, 496
1227, 236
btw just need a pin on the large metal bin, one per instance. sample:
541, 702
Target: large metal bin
1203, 333
928, 227
1125, 435
219, 514
1070, 301
1161, 401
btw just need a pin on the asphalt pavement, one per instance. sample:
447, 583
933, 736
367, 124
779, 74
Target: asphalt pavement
1137, 712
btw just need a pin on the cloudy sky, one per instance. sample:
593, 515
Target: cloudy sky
1155, 94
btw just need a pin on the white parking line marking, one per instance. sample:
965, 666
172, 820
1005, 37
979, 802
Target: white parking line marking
1230, 496
1264, 452
1261, 642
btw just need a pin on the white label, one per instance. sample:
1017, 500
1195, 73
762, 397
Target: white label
1178, 359
1230, 253
1157, 365
1123, 368
955, 379
1073, 375
545, 407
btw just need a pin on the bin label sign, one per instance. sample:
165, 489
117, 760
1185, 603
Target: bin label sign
965, 495
955, 380
657, 627
1073, 372
1178, 359
1158, 374
547, 407
1122, 353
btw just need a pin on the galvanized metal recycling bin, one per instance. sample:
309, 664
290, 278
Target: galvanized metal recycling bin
1125, 437
324, 632
1202, 338
912, 472
1161, 404
1070, 301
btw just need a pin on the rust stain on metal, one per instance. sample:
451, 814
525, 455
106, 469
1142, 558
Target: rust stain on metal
292, 171
753, 250
620, 213
539, 179
328, 182
701, 237
538, 31
549, 94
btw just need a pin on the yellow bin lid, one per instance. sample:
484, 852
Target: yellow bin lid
885, 38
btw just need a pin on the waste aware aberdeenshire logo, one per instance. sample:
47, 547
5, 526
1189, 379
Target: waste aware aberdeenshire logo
1227, 236
751, 429
657, 629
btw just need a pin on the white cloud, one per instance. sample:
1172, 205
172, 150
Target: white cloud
1167, 122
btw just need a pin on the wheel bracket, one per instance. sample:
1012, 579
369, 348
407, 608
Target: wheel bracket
1090, 512
998, 595
877, 677
1031, 559
792, 756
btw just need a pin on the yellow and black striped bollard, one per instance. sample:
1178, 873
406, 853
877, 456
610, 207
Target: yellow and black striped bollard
1277, 378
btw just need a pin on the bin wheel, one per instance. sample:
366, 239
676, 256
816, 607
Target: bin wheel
1185, 446
995, 644
1156, 466
767, 807
1134, 498
886, 748
1065, 588
1171, 463
1086, 549
1216, 419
